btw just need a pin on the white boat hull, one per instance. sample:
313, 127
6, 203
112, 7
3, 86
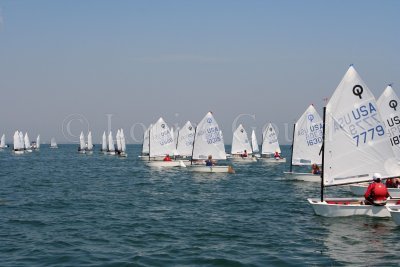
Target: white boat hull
395, 213
342, 207
273, 160
167, 164
359, 190
111, 152
245, 159
307, 177
18, 152
215, 169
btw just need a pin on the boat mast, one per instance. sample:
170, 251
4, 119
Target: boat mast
291, 157
194, 139
323, 155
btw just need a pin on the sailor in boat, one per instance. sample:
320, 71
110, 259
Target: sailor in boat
277, 155
167, 158
393, 183
244, 155
315, 169
210, 162
377, 192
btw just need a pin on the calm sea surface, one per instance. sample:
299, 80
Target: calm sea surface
60, 208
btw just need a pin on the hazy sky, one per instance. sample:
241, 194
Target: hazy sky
139, 60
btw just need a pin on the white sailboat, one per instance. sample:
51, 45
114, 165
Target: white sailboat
18, 143
161, 143
3, 141
27, 143
306, 145
241, 146
185, 139
208, 141
145, 146
89, 147
254, 144
270, 146
122, 152
37, 145
390, 112
354, 147
111, 145
82, 144
53, 143
118, 139
104, 143
394, 213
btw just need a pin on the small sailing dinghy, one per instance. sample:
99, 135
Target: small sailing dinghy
306, 145
36, 146
3, 142
27, 143
354, 147
145, 146
254, 144
161, 144
53, 143
82, 144
387, 106
184, 141
89, 147
270, 146
394, 213
208, 141
104, 143
18, 143
121, 143
111, 145
241, 150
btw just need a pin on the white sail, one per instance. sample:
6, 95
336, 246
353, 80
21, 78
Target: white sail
38, 142
82, 144
389, 108
27, 142
3, 141
146, 139
111, 146
53, 142
307, 138
123, 141
16, 141
89, 141
104, 142
161, 141
21, 140
240, 141
254, 143
270, 143
185, 140
356, 145
118, 138
208, 139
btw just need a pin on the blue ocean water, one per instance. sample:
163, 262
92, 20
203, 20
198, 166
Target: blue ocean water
61, 208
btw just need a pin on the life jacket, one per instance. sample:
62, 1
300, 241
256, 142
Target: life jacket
167, 159
209, 162
379, 192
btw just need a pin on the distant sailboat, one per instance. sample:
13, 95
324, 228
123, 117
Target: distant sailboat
37, 144
27, 143
111, 145
18, 143
241, 149
254, 144
82, 144
270, 146
89, 147
184, 143
146, 145
3, 142
53, 143
161, 143
122, 141
104, 143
